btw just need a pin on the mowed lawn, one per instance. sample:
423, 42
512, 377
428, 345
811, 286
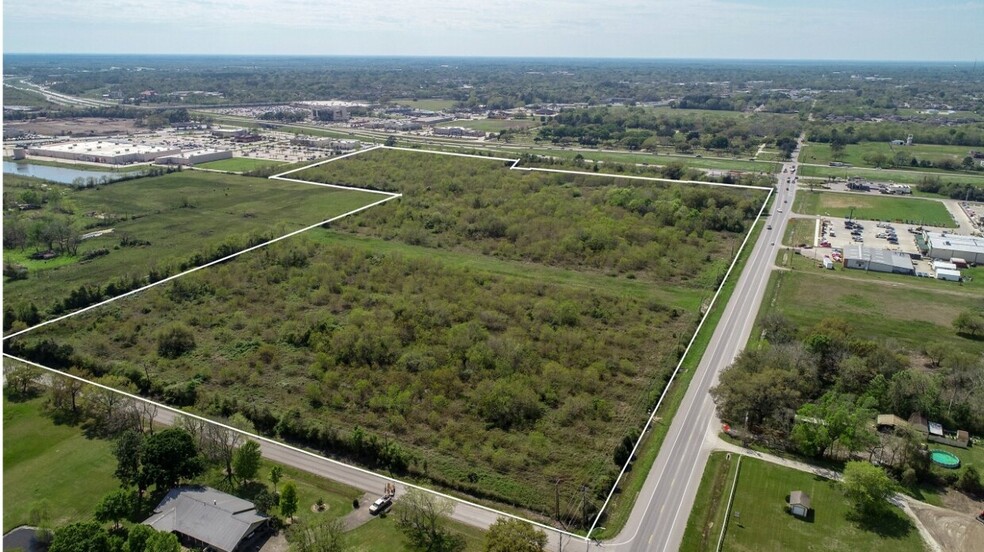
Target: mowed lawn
56, 463
876, 309
855, 153
383, 533
765, 524
798, 231
710, 506
180, 215
874, 207
238, 164
890, 175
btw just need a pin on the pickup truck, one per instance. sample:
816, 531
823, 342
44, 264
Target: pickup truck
380, 505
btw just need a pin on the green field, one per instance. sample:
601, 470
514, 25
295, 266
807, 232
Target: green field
855, 154
765, 524
874, 207
493, 125
383, 534
238, 164
799, 231
181, 215
427, 104
910, 315
888, 175
55, 463
711, 504
19, 96
716, 163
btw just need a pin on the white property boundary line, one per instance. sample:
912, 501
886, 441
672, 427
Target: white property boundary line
390, 196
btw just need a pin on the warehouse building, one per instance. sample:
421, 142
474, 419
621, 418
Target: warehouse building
326, 143
194, 157
223, 132
877, 260
946, 246
115, 153
458, 132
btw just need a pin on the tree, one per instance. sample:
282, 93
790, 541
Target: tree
970, 481
82, 536
126, 449
246, 462
867, 486
969, 322
137, 537
163, 542
114, 507
288, 500
168, 457
276, 473
22, 380
423, 518
40, 517
318, 535
175, 340
390, 141
264, 501
513, 535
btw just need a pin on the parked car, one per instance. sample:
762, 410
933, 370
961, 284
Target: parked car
380, 505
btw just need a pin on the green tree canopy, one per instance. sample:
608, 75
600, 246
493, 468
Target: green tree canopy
288, 500
867, 486
169, 456
246, 462
513, 535
114, 507
82, 536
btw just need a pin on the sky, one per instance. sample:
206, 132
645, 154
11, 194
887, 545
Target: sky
898, 30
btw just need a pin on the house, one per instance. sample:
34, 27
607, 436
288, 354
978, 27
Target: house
203, 516
799, 504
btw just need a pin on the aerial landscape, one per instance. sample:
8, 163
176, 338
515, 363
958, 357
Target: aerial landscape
288, 276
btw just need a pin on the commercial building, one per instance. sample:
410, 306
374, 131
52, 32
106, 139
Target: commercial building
326, 143
221, 132
115, 153
946, 246
194, 157
877, 260
203, 516
458, 132
434, 119
335, 113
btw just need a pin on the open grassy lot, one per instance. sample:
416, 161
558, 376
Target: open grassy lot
711, 504
493, 125
238, 164
910, 315
55, 463
874, 207
427, 104
889, 175
167, 221
766, 525
690, 161
798, 231
855, 153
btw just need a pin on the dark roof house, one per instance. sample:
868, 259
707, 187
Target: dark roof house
205, 516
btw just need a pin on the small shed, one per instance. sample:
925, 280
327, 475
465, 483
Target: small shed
799, 504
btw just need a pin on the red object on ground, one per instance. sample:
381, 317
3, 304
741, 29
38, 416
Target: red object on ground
726, 428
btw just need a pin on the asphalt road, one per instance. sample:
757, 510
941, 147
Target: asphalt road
659, 517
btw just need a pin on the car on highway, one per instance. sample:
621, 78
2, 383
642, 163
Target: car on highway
778, 210
768, 227
380, 505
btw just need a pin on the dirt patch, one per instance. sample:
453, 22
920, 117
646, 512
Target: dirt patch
85, 126
957, 501
953, 531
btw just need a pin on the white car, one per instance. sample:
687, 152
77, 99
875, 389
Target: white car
380, 505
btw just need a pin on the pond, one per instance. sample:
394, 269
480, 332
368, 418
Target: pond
62, 175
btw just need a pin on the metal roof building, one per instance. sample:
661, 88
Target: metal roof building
943, 245
205, 516
878, 260
99, 151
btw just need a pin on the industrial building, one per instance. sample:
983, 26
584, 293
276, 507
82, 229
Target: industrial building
946, 246
326, 143
335, 113
877, 260
115, 153
220, 132
458, 132
195, 157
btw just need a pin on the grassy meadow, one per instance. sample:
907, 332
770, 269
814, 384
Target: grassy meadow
874, 207
238, 164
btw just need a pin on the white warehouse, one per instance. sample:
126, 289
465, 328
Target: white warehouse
946, 246
877, 260
115, 153
195, 157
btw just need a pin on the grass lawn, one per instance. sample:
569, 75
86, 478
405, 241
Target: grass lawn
180, 214
711, 504
855, 153
911, 315
874, 207
427, 104
493, 125
760, 498
238, 164
717, 163
889, 175
56, 463
798, 231
383, 533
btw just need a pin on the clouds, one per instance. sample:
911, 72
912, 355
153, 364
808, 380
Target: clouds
606, 28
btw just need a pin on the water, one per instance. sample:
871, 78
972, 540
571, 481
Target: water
61, 175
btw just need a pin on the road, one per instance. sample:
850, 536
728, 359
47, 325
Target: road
659, 517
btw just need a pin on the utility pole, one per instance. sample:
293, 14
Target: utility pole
584, 505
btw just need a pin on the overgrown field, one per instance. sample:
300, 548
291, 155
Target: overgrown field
239, 164
890, 175
489, 331
153, 227
874, 207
